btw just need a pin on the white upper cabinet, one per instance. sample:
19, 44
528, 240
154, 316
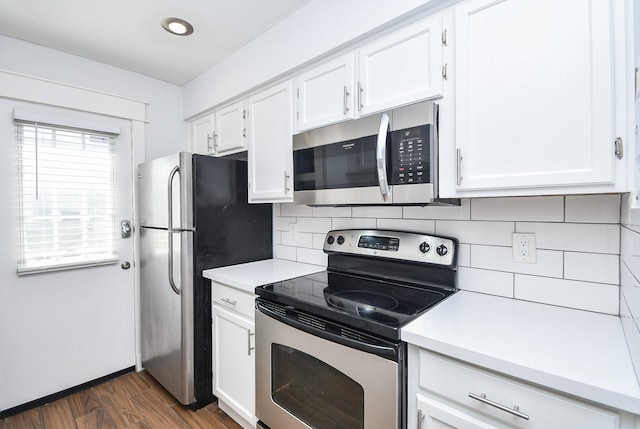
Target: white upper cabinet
230, 129
402, 67
270, 151
202, 135
534, 95
325, 94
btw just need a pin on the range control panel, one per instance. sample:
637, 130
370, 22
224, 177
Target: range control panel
409, 246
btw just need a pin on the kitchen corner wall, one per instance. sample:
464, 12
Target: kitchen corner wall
630, 280
577, 240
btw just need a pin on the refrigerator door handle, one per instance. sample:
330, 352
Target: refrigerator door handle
170, 231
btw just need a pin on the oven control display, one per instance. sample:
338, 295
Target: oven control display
379, 243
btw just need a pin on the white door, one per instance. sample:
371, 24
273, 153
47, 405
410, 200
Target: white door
202, 135
534, 93
230, 130
69, 326
433, 414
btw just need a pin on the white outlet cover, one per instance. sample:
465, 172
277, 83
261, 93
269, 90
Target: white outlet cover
530, 238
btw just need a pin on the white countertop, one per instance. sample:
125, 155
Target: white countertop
247, 276
577, 352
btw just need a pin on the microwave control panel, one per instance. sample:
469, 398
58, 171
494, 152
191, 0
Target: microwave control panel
410, 156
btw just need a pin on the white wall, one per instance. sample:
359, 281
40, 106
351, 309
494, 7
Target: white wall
58, 330
311, 31
166, 132
578, 243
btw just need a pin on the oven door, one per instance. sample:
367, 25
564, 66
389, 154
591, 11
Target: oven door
304, 381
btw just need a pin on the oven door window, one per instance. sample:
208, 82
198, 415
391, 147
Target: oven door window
315, 392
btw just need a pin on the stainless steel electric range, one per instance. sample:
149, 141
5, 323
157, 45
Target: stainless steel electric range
328, 348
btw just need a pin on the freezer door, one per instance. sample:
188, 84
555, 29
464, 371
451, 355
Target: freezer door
166, 301
157, 180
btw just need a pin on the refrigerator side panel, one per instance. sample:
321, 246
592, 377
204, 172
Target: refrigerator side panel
153, 184
163, 329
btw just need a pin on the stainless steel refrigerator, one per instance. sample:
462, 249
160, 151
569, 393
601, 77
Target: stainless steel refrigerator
194, 215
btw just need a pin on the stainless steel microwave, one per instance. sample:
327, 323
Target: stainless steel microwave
387, 158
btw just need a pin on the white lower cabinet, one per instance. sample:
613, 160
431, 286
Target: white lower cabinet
233, 353
446, 393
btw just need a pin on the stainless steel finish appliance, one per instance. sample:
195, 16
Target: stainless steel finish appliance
328, 348
387, 158
193, 216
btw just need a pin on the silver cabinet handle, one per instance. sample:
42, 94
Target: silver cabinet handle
381, 158
175, 170
360, 90
515, 410
286, 182
420, 418
459, 167
229, 301
249, 348
345, 108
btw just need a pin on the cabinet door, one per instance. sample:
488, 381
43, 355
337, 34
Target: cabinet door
270, 155
202, 135
434, 414
230, 129
325, 94
534, 93
234, 360
401, 68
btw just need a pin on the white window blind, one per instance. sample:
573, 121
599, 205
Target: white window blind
66, 198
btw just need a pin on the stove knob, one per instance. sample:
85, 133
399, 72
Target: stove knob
424, 247
330, 239
340, 239
442, 250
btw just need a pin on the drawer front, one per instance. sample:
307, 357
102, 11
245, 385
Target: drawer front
233, 299
458, 381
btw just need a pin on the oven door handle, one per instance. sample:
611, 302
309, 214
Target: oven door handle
389, 352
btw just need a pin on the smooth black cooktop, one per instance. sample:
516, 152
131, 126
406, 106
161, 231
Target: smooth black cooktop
373, 305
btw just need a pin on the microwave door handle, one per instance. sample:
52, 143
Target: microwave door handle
381, 155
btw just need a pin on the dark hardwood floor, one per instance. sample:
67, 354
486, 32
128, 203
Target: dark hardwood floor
131, 401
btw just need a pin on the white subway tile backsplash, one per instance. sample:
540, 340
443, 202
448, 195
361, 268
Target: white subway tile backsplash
352, 223
630, 250
596, 297
295, 210
538, 209
549, 262
461, 212
630, 290
385, 212
593, 208
331, 211
298, 239
592, 267
276, 209
577, 237
485, 281
464, 255
632, 334
312, 256
318, 240
424, 226
282, 223
277, 237
477, 232
285, 252
314, 224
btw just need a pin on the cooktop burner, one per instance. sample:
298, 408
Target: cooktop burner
376, 281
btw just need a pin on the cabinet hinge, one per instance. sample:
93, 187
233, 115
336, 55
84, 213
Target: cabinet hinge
445, 71
618, 148
444, 37
244, 113
298, 92
298, 115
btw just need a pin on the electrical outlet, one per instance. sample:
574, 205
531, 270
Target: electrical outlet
524, 247
292, 231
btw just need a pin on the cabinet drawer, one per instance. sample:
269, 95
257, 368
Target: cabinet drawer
456, 381
233, 299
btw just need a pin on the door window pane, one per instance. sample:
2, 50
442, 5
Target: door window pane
314, 392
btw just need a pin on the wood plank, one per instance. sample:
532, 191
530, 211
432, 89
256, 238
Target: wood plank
58, 415
31, 419
155, 411
117, 404
166, 396
203, 418
83, 403
96, 419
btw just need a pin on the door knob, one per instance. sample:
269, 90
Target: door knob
126, 229
125, 265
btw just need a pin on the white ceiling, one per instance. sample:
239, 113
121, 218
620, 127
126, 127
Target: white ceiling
127, 33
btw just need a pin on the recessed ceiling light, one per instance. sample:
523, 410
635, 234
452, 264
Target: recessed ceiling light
177, 26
